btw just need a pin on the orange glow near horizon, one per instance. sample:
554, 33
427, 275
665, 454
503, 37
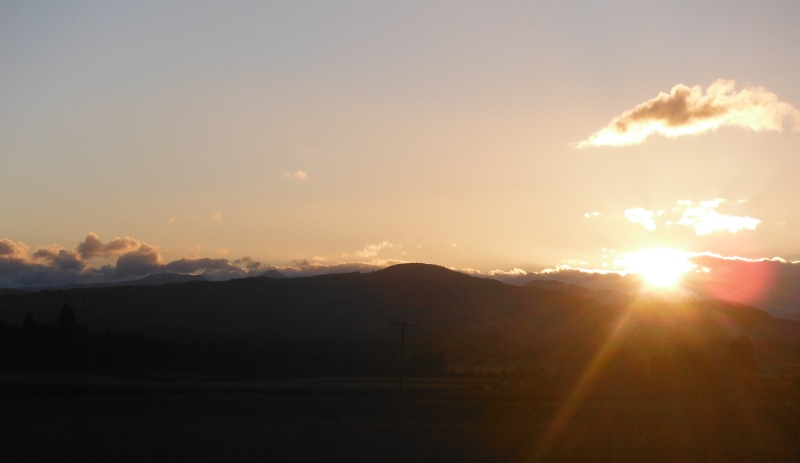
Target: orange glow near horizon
659, 267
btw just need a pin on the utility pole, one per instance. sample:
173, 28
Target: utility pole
403, 325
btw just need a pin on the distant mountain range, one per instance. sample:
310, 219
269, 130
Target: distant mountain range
464, 316
163, 278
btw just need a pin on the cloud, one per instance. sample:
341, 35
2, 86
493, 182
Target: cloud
251, 264
513, 272
515, 276
145, 260
591, 215
12, 250
706, 220
689, 111
49, 265
93, 247
54, 266
371, 250
702, 216
59, 258
297, 176
641, 216
469, 271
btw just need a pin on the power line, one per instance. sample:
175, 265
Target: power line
402, 325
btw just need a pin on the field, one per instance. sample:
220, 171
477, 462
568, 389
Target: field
74, 419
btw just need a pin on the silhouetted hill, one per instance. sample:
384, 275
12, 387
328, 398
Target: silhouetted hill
460, 315
561, 287
155, 279
602, 296
165, 278
272, 273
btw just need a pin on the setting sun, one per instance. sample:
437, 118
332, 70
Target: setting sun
660, 267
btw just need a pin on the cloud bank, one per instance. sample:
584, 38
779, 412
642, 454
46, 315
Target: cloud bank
55, 266
690, 111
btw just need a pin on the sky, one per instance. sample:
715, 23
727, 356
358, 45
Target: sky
502, 137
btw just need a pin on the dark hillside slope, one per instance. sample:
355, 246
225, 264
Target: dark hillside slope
462, 315
311, 306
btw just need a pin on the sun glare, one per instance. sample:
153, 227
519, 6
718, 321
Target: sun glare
660, 267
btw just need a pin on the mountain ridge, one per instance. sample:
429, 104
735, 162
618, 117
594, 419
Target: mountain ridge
464, 315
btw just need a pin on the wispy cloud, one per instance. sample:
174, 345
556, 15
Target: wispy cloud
641, 216
592, 215
701, 216
705, 219
513, 272
297, 176
689, 111
371, 250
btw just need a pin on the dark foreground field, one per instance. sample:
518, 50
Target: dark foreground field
759, 421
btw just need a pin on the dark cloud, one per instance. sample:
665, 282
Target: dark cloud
248, 263
55, 266
187, 265
216, 269
143, 261
60, 258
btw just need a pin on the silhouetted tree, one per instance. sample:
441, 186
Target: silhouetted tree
66, 318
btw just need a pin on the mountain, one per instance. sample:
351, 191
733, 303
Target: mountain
272, 273
561, 287
602, 296
155, 279
461, 315
165, 278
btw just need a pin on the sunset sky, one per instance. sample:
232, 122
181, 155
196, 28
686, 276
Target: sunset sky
484, 136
